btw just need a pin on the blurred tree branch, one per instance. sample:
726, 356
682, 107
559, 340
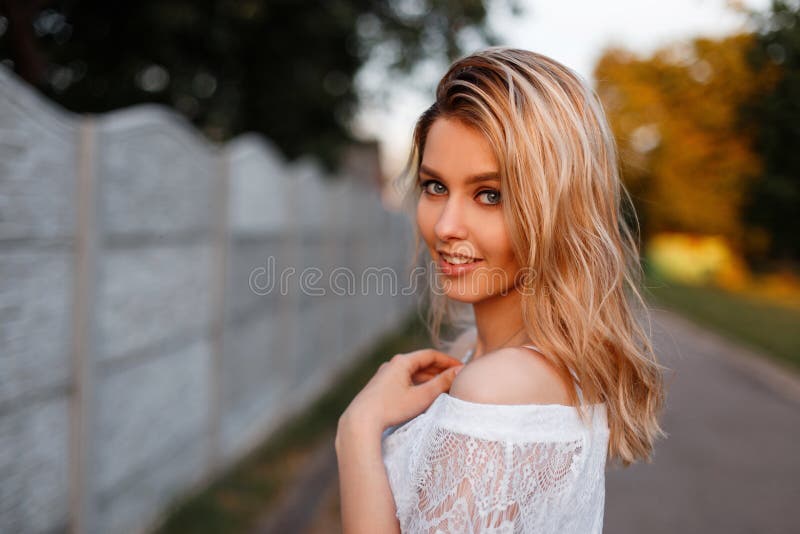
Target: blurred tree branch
774, 117
278, 67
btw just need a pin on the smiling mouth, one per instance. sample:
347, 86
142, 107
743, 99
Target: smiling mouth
458, 260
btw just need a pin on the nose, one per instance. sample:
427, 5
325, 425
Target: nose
451, 224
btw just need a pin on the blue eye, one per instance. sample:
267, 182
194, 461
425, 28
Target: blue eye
424, 185
492, 192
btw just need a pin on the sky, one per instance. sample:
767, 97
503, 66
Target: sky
572, 32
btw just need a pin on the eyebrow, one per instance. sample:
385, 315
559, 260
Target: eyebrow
483, 177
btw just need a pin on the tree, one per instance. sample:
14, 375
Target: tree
685, 158
282, 68
774, 197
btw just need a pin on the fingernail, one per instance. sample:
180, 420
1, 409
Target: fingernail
459, 368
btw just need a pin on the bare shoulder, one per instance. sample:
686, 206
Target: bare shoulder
512, 375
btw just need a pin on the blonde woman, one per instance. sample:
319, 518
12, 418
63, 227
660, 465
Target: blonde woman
514, 186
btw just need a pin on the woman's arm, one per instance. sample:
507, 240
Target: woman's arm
392, 396
367, 504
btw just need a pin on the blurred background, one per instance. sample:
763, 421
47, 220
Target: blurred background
202, 258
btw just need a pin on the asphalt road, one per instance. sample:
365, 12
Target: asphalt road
731, 462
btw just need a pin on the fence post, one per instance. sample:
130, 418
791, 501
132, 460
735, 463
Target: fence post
82, 508
218, 319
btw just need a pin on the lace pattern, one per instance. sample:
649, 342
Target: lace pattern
463, 467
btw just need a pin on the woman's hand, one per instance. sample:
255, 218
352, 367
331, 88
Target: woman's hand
403, 387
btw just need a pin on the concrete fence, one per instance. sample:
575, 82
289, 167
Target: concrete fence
165, 303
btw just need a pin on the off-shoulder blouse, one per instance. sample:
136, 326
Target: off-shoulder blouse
465, 467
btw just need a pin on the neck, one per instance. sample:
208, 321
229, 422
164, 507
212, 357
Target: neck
499, 323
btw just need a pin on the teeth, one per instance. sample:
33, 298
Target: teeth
457, 261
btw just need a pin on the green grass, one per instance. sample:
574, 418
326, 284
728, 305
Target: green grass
236, 500
765, 325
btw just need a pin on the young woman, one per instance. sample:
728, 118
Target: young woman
517, 197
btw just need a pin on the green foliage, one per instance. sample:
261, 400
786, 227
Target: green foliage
774, 197
278, 67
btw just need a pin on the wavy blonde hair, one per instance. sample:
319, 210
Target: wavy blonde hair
562, 203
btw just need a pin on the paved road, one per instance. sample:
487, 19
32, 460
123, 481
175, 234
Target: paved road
731, 463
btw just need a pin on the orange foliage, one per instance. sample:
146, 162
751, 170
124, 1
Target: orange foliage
684, 158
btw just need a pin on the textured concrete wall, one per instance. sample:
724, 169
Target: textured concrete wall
165, 303
38, 174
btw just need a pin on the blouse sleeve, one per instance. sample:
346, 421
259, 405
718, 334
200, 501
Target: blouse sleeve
494, 469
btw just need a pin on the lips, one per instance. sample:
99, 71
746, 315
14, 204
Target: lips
456, 258
446, 267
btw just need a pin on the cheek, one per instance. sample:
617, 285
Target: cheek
497, 244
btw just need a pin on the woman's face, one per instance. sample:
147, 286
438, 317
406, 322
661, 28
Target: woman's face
459, 212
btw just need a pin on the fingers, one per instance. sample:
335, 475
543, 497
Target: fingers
423, 358
440, 383
435, 368
425, 375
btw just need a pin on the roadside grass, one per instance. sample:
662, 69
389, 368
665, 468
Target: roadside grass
238, 499
767, 325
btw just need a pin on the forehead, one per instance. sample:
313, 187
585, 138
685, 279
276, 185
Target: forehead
456, 150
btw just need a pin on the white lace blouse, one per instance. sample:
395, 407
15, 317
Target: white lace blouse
464, 467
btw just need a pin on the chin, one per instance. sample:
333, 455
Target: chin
460, 291
465, 298
472, 288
